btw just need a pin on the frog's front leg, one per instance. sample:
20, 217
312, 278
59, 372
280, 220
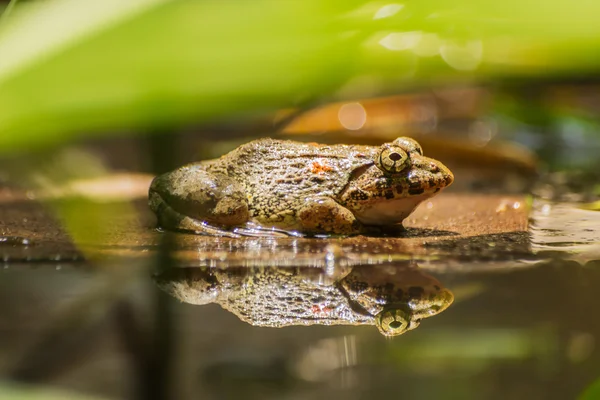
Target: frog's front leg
324, 215
194, 199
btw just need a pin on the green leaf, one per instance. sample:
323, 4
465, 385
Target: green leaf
160, 63
21, 392
592, 392
71, 68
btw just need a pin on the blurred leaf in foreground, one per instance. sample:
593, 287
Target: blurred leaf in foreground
592, 392
14, 392
72, 67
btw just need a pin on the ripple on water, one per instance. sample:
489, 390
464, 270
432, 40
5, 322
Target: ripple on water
566, 228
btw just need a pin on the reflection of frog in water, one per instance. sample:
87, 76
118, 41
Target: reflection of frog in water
394, 298
291, 186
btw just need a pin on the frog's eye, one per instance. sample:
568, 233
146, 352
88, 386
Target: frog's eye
393, 159
409, 145
393, 322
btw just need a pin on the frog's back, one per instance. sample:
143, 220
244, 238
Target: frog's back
279, 176
263, 155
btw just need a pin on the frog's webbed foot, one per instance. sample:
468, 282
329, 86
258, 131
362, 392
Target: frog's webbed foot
324, 215
193, 199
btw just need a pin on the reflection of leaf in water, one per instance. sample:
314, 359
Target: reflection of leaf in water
476, 348
467, 291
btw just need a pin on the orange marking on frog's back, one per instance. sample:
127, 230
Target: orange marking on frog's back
319, 168
318, 309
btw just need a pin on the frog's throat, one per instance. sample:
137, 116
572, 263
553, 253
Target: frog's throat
388, 212
423, 309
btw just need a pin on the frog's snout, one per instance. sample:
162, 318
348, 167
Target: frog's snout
445, 174
433, 174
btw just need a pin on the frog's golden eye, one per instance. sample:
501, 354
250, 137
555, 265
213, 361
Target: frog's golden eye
409, 145
393, 159
393, 322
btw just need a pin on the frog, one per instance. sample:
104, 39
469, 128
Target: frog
394, 298
296, 188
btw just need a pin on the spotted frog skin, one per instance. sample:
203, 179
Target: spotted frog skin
393, 298
274, 185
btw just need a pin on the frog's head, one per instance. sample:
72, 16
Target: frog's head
400, 177
394, 320
398, 296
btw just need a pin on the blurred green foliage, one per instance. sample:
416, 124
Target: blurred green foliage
592, 392
77, 67
16, 392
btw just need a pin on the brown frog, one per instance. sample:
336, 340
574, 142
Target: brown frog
276, 185
395, 298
